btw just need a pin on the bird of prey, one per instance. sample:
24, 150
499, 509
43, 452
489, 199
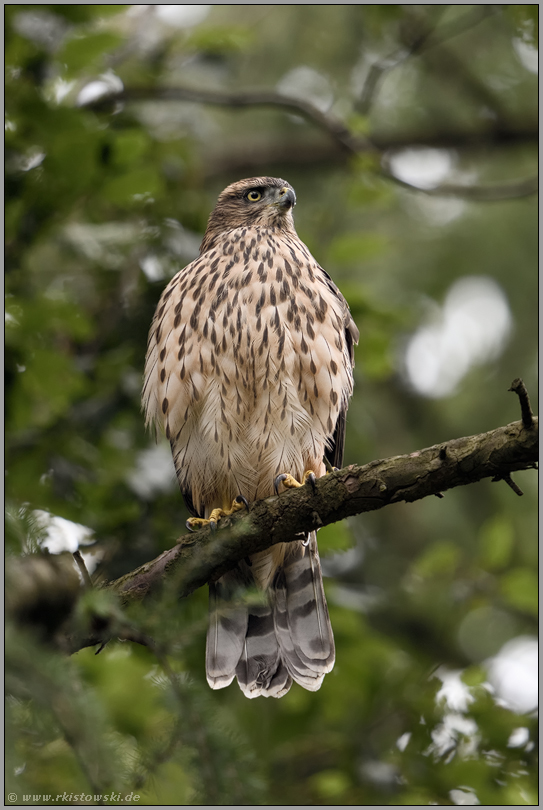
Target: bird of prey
249, 371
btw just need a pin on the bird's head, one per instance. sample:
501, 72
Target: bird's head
265, 202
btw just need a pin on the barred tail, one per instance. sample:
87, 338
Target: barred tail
287, 637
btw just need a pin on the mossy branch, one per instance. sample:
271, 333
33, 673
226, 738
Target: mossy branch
204, 555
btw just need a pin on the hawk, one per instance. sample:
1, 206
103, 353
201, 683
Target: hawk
249, 371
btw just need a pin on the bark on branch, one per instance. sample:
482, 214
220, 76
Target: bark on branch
205, 555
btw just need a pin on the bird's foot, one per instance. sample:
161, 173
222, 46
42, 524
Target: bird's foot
290, 482
194, 523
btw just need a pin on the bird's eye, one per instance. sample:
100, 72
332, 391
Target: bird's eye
254, 196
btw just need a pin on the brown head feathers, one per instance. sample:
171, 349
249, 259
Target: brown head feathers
264, 202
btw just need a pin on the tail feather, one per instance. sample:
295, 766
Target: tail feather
227, 630
260, 670
302, 623
268, 646
297, 665
308, 619
260, 657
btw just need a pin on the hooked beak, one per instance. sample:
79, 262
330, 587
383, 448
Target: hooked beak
286, 198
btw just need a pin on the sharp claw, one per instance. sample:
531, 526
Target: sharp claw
312, 480
242, 499
213, 525
277, 481
189, 526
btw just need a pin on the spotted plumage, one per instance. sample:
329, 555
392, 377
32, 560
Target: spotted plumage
249, 373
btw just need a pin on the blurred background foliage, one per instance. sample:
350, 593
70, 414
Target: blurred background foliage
429, 227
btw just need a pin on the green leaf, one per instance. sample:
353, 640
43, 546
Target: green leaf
129, 146
331, 784
221, 41
520, 589
133, 187
81, 13
414, 798
12, 217
496, 541
36, 400
440, 558
355, 248
85, 52
526, 19
131, 698
333, 538
377, 359
359, 124
474, 675
371, 190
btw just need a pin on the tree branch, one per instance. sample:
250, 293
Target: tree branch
417, 37
205, 555
349, 142
491, 193
355, 489
247, 98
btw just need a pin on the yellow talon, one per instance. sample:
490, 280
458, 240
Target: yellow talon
290, 482
310, 476
194, 523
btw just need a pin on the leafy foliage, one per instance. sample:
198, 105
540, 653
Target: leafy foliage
103, 204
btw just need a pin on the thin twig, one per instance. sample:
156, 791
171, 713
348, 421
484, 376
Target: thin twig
82, 568
525, 408
493, 193
418, 44
509, 481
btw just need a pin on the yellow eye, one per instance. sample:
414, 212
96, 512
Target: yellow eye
253, 196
